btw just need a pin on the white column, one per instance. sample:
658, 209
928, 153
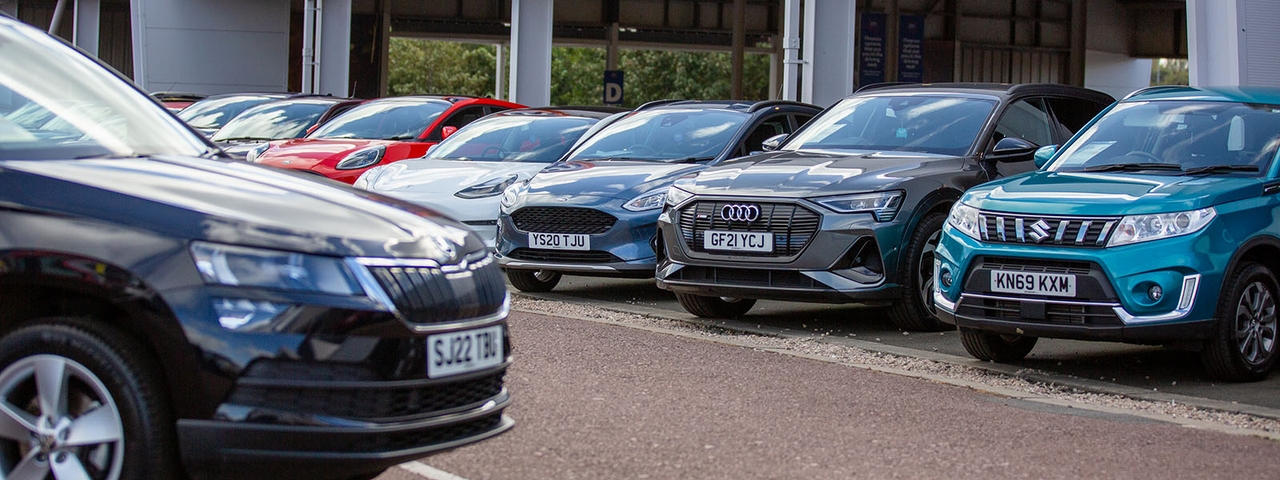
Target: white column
531, 52
1213, 41
828, 51
86, 25
791, 50
334, 50
138, 26
500, 75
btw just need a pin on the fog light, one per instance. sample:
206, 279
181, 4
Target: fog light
1155, 292
945, 277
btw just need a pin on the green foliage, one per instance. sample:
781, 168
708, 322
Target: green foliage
1170, 71
577, 73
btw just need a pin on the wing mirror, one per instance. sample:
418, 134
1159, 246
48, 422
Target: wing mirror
772, 143
446, 131
1013, 149
1043, 154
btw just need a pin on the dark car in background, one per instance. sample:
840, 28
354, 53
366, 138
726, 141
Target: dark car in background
595, 213
172, 313
210, 113
278, 120
849, 209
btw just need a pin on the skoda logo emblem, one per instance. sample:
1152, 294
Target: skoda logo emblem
1039, 231
740, 213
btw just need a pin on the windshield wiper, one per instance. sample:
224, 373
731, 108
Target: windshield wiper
1132, 167
1221, 169
244, 139
691, 160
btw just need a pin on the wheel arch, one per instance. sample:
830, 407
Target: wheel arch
1264, 250
939, 200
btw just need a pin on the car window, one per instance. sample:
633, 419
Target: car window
664, 134
1026, 119
513, 139
770, 127
458, 119
1185, 134
939, 124
272, 121
215, 112
392, 120
1073, 113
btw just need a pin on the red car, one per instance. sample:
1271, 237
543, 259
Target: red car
377, 132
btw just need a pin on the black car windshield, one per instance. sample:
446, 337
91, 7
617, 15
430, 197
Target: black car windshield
923, 123
388, 120
272, 121
214, 112
61, 105
514, 138
664, 135
1178, 137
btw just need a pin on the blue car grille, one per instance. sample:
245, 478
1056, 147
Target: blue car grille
1046, 230
563, 256
433, 295
792, 225
572, 220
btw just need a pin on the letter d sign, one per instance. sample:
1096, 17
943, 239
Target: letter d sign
613, 87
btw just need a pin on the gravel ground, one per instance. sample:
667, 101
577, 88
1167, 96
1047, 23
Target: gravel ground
978, 379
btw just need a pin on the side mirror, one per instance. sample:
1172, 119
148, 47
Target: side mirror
1012, 149
311, 129
772, 143
446, 131
1043, 154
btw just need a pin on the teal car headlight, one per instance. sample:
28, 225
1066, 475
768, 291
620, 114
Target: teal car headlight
496, 186
965, 219
275, 269
883, 205
675, 195
362, 158
1144, 228
647, 201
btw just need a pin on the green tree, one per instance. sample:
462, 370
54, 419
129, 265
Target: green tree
419, 67
1170, 71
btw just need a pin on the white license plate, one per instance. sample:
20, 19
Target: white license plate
559, 241
737, 241
1031, 283
466, 351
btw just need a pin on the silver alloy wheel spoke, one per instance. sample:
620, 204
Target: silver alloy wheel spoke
925, 271
51, 381
1256, 324
101, 425
30, 468
15, 424
543, 275
68, 467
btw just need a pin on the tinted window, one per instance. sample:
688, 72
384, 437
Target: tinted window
769, 128
395, 120
664, 134
215, 112
272, 121
513, 139
1074, 113
1026, 119
913, 123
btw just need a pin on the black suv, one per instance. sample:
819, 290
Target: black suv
849, 208
169, 312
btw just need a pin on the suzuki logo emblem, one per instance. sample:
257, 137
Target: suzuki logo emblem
740, 213
1039, 231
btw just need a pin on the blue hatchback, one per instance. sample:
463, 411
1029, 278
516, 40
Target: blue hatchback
596, 212
1157, 224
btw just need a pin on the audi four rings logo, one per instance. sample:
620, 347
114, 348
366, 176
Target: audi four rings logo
740, 213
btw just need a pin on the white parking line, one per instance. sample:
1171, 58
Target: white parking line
428, 471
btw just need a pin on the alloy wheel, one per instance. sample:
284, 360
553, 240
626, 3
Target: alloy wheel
1256, 324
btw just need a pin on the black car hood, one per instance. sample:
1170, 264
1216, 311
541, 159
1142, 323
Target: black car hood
815, 173
236, 203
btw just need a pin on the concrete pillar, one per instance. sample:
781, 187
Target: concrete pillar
829, 35
1232, 42
334, 53
739, 48
531, 52
791, 50
500, 75
86, 25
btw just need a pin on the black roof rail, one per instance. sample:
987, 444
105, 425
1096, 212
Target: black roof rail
586, 108
655, 103
778, 103
1157, 88
874, 86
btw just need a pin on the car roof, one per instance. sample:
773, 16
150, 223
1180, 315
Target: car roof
570, 111
744, 106
1002, 90
1263, 95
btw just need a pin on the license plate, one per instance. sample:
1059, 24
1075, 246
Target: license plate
1031, 283
737, 241
466, 351
559, 241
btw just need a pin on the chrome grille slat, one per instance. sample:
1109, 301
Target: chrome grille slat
792, 225
1066, 231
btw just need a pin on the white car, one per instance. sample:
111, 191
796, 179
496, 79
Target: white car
464, 176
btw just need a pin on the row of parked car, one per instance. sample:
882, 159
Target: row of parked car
729, 202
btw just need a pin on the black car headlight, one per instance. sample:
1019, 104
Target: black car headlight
362, 158
488, 188
882, 205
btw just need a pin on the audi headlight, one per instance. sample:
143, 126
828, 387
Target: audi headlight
1144, 228
511, 194
883, 205
497, 186
362, 158
676, 195
965, 219
647, 201
252, 155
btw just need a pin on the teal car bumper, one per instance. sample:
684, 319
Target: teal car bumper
1153, 292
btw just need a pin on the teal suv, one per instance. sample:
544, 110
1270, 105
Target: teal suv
1159, 223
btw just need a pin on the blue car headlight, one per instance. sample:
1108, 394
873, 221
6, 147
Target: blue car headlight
496, 186
1144, 228
965, 219
647, 201
883, 205
362, 158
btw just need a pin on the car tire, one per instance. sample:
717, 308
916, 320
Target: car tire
534, 281
915, 310
110, 389
715, 307
995, 347
1243, 347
